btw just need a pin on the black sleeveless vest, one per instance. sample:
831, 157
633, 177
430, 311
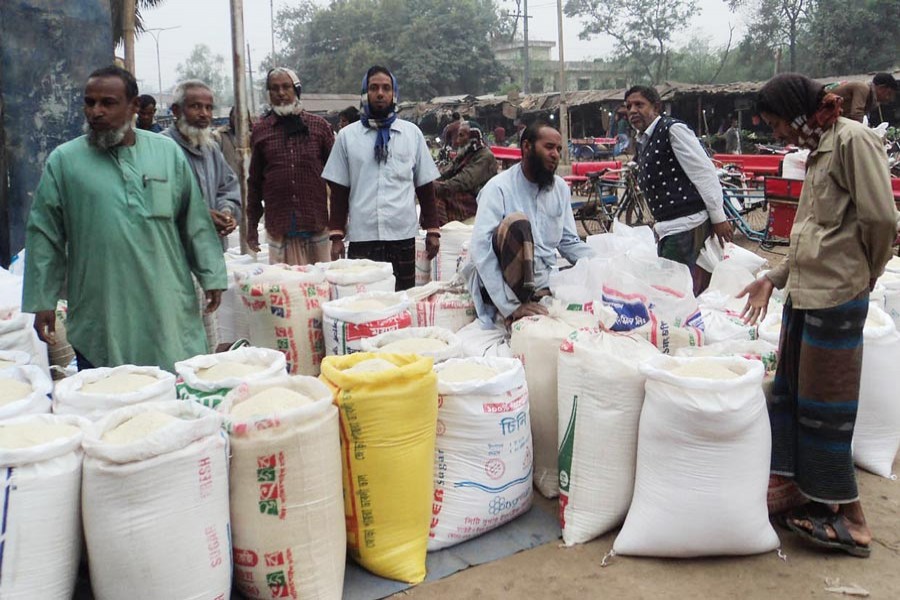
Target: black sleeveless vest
669, 192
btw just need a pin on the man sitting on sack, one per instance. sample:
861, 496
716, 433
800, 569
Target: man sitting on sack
678, 180
524, 216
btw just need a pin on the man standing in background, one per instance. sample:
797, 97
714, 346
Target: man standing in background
289, 149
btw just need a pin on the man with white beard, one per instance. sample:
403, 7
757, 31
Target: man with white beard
289, 150
193, 108
118, 225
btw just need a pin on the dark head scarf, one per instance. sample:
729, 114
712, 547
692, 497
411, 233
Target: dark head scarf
801, 102
382, 125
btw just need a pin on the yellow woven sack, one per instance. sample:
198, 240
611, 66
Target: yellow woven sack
388, 425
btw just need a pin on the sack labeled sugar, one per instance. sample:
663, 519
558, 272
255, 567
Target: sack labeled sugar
208, 378
876, 436
285, 305
350, 320
436, 343
704, 449
155, 503
440, 304
24, 390
601, 393
94, 393
348, 277
388, 414
40, 497
483, 456
287, 506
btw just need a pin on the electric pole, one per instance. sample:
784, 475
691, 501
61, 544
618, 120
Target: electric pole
527, 67
563, 105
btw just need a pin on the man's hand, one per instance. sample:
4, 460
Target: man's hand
724, 232
337, 249
213, 299
758, 294
223, 221
432, 245
45, 325
529, 309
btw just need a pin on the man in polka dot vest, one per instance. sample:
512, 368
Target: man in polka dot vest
678, 180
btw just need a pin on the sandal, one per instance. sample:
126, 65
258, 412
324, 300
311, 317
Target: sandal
819, 535
811, 508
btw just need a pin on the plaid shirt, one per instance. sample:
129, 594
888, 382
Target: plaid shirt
286, 177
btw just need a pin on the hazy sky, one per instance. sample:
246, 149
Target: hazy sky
209, 22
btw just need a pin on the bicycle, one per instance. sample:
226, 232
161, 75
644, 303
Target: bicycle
597, 211
632, 208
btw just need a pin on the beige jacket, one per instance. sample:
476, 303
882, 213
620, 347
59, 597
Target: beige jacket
859, 99
846, 220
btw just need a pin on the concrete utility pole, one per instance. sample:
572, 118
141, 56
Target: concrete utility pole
128, 9
250, 91
563, 105
527, 68
156, 39
272, 25
241, 125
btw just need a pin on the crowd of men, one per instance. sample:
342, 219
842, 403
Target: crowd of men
132, 224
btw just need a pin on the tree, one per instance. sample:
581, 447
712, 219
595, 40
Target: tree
209, 68
853, 37
432, 46
644, 28
775, 23
116, 8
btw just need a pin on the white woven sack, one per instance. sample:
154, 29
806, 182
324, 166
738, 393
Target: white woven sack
440, 304
14, 358
35, 403
285, 304
348, 277
601, 392
704, 448
454, 235
483, 341
233, 316
211, 393
68, 399
770, 327
761, 350
423, 263
345, 328
452, 350
17, 333
889, 282
535, 341
483, 454
41, 507
287, 504
155, 510
876, 436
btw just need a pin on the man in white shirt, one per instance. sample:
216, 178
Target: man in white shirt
524, 216
377, 168
678, 180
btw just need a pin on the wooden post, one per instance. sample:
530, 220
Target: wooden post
128, 9
241, 124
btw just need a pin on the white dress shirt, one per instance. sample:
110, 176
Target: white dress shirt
382, 194
699, 169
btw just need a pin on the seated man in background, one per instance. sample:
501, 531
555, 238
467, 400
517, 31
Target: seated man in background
524, 216
460, 183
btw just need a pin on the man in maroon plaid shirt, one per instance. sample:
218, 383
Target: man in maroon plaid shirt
289, 151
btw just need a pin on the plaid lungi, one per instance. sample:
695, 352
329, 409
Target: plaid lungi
514, 246
815, 396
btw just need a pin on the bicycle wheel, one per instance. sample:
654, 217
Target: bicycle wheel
632, 211
594, 220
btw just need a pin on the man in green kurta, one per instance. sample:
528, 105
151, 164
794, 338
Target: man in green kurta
118, 219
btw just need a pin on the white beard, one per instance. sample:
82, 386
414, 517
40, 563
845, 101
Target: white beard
104, 140
288, 109
198, 137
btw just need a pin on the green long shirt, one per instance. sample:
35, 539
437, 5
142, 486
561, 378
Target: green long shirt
123, 230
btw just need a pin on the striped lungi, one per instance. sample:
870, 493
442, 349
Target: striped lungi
514, 246
815, 396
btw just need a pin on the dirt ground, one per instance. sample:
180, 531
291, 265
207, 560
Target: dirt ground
553, 571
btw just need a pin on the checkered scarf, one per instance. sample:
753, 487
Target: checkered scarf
810, 129
382, 125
